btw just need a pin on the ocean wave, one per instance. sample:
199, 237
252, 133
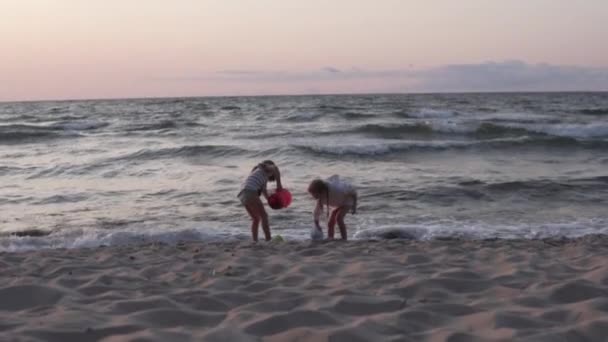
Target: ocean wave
184, 152
487, 129
392, 129
20, 133
332, 108
165, 101
140, 234
5, 170
401, 114
354, 115
57, 199
426, 113
378, 149
572, 189
550, 185
451, 230
230, 108
92, 238
16, 133
41, 119
301, 116
451, 127
56, 170
492, 129
122, 162
576, 131
497, 124
390, 147
585, 190
520, 118
161, 125
79, 125
15, 199
594, 111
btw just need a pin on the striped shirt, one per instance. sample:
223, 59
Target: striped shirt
256, 181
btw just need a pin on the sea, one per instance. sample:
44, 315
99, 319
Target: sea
94, 173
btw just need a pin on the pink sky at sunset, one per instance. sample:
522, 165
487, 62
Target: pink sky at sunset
72, 49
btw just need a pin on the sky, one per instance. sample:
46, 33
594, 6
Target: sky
78, 49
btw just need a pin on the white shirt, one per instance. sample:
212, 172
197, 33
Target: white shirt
341, 194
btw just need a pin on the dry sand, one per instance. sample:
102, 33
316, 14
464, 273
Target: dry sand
330, 291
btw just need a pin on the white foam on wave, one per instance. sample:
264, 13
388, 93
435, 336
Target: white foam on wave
356, 149
446, 121
298, 114
524, 118
102, 237
576, 131
582, 131
431, 230
453, 126
80, 125
432, 113
484, 230
377, 148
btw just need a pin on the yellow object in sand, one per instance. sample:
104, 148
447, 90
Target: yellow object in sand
278, 238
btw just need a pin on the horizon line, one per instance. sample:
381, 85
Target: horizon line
306, 94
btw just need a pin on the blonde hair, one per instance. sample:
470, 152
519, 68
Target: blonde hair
318, 186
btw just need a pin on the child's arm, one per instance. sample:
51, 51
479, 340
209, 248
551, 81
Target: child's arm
354, 194
317, 213
265, 193
277, 176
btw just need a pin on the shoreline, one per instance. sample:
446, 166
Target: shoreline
389, 290
362, 237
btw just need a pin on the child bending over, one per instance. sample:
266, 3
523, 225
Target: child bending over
335, 193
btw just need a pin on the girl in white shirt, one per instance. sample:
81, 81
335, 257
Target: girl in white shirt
252, 188
333, 192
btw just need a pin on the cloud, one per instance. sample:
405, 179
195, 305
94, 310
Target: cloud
238, 72
489, 76
331, 69
323, 74
511, 76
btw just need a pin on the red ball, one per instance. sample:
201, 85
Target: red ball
274, 202
285, 197
280, 199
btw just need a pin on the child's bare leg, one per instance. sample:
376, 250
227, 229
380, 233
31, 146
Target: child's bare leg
258, 208
266, 226
340, 219
331, 224
255, 222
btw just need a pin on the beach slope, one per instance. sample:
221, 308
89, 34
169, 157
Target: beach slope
502, 290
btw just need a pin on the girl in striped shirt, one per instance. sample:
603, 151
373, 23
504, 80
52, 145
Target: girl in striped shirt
252, 188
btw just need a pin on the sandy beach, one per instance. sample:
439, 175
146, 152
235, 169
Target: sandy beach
533, 290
